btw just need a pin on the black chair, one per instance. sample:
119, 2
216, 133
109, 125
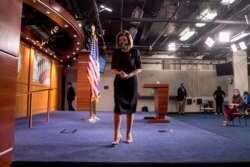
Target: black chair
207, 108
247, 110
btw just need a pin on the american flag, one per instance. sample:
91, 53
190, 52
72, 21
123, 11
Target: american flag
93, 70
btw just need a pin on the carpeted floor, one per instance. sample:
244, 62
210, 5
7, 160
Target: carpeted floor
66, 138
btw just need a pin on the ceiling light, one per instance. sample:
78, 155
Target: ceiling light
200, 24
234, 48
226, 2
239, 36
209, 42
54, 30
243, 45
171, 47
224, 36
102, 8
186, 45
247, 21
186, 34
208, 15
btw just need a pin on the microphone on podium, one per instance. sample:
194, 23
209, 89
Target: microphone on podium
157, 81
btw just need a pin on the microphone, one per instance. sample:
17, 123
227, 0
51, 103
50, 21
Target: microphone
157, 81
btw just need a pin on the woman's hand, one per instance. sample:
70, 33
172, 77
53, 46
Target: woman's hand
233, 105
124, 75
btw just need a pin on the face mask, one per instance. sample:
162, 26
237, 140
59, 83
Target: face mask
236, 93
123, 45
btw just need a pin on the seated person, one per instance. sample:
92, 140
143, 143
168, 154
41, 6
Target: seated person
237, 102
246, 100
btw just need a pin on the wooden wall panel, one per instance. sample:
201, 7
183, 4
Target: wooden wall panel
8, 73
56, 81
10, 28
10, 19
55, 102
23, 75
39, 100
25, 84
23, 81
83, 85
21, 101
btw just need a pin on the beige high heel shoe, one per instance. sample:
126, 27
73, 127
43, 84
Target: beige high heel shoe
117, 141
129, 139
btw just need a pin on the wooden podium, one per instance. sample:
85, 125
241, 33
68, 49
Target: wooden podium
161, 96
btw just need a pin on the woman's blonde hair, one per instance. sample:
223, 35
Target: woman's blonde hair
129, 37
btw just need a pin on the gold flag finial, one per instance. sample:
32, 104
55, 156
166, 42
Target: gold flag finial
93, 32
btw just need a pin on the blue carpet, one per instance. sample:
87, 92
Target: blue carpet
214, 123
186, 139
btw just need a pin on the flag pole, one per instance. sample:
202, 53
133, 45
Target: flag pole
93, 71
93, 102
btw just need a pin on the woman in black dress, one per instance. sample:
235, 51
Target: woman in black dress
126, 64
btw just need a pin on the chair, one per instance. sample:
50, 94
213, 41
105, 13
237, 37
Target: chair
247, 110
207, 108
240, 115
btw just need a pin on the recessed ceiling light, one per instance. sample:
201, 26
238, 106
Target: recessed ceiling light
226, 2
243, 45
209, 42
171, 47
234, 48
224, 36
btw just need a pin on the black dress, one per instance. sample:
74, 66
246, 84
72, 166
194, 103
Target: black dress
126, 90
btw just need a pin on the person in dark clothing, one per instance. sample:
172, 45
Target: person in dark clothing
219, 95
70, 96
126, 64
181, 98
246, 98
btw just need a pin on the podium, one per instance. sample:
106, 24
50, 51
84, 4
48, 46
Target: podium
161, 96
